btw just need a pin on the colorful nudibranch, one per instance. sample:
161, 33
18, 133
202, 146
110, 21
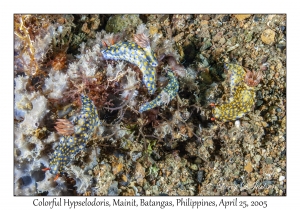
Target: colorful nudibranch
139, 54
166, 95
85, 123
242, 99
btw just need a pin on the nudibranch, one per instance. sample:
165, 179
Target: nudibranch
242, 90
165, 96
138, 53
78, 131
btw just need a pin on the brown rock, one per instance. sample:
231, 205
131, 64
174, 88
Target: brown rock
205, 17
204, 22
268, 36
244, 193
270, 17
116, 167
129, 192
248, 167
139, 173
217, 37
242, 17
222, 41
124, 178
85, 28
178, 37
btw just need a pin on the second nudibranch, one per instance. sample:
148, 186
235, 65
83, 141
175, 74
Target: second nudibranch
242, 93
242, 102
84, 124
138, 53
166, 95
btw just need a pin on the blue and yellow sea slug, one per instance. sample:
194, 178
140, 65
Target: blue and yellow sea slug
82, 126
242, 93
166, 95
138, 53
